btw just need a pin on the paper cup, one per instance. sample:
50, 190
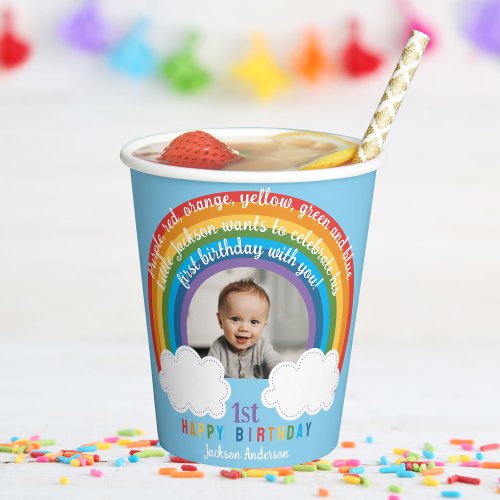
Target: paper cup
272, 394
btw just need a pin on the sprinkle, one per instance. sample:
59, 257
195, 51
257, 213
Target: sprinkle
351, 479
304, 468
243, 473
63, 480
272, 478
394, 488
405, 473
289, 479
187, 474
20, 458
344, 469
430, 481
479, 455
36, 437
467, 446
399, 451
357, 470
133, 459
491, 465
429, 447
96, 473
393, 497
7, 449
138, 444
434, 471
451, 494
123, 442
472, 463
263, 472
453, 459
369, 439
428, 454
97, 458
42, 458
111, 439
365, 482
383, 460
75, 462
46, 442
468, 480
87, 448
348, 444
229, 474
323, 466
461, 441
179, 460
130, 432
82, 461
354, 462
166, 471
323, 492
188, 467
339, 463
103, 446
389, 469
464, 458
150, 453
493, 446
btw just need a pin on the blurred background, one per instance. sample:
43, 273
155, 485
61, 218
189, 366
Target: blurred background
80, 79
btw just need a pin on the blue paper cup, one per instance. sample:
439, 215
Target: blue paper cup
251, 284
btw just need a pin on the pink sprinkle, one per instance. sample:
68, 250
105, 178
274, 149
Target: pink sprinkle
36, 437
473, 463
439, 464
42, 458
354, 462
96, 473
405, 454
111, 439
467, 446
339, 463
393, 497
82, 461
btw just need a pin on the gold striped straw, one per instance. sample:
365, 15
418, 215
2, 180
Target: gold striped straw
377, 131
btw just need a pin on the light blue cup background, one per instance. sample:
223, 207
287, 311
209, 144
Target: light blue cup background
348, 201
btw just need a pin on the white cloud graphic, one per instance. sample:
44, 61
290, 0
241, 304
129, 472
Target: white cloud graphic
307, 386
195, 384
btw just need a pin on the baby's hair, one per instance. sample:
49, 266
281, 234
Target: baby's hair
246, 285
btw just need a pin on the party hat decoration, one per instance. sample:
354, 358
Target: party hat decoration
413, 21
261, 71
133, 56
13, 50
182, 70
482, 25
85, 29
357, 60
310, 61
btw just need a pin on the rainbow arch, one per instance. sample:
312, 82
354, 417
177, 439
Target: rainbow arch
174, 245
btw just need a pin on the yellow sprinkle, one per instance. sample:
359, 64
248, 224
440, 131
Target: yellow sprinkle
123, 442
75, 462
399, 460
453, 458
63, 480
139, 432
464, 458
430, 481
261, 472
20, 458
103, 446
352, 479
399, 451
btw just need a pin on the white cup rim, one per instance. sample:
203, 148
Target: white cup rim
240, 176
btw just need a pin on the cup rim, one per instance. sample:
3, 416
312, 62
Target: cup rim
241, 176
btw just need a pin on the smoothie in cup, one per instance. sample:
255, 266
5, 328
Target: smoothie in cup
254, 377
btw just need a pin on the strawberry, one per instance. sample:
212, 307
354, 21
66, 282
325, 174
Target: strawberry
198, 150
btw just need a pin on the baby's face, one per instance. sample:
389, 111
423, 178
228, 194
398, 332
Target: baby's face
243, 319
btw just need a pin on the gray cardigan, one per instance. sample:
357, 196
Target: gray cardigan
255, 362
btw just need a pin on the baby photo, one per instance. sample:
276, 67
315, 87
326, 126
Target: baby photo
250, 320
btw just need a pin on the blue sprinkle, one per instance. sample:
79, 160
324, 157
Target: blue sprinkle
76, 455
369, 439
357, 470
119, 462
406, 473
87, 448
383, 460
451, 494
133, 459
428, 454
479, 455
402, 466
14, 438
391, 468
271, 478
64, 460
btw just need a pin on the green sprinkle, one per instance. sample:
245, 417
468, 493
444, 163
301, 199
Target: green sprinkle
241, 471
412, 457
429, 447
431, 465
6, 449
126, 432
323, 466
394, 488
415, 467
365, 482
289, 479
422, 467
305, 468
150, 453
45, 442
